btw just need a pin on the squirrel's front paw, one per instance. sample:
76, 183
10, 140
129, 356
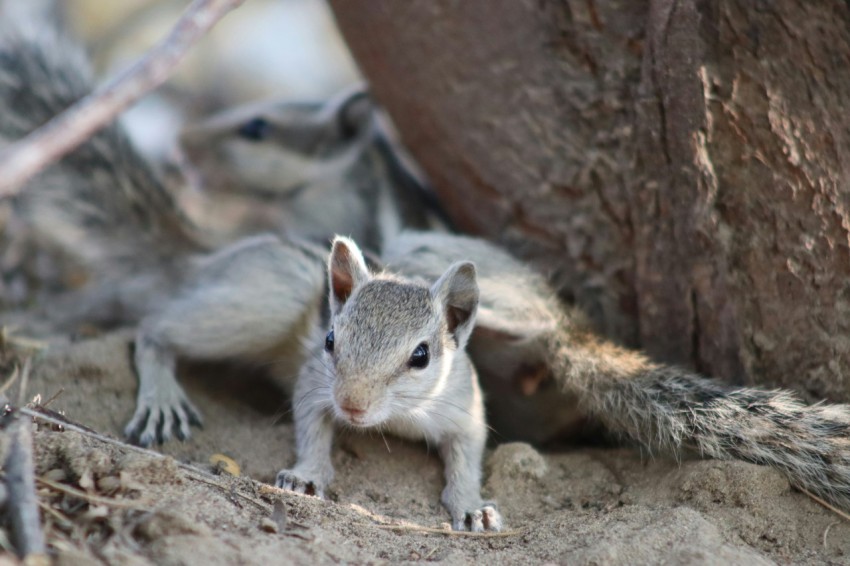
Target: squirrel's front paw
167, 412
289, 480
485, 519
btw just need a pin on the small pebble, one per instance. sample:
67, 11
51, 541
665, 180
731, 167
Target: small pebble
268, 525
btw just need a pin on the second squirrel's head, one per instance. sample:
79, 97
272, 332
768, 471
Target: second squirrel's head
279, 148
393, 341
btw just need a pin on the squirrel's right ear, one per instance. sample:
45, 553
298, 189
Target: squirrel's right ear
456, 291
346, 270
355, 113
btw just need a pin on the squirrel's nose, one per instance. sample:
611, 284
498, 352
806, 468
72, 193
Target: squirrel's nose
352, 410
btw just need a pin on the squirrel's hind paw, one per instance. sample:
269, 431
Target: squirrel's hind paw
486, 519
156, 420
290, 481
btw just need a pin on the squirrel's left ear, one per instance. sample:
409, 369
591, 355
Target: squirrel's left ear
346, 270
457, 293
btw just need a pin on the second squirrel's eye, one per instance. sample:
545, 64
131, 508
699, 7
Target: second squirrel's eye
329, 342
419, 357
255, 130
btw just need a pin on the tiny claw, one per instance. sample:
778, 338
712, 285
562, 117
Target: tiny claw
181, 424
145, 440
166, 426
157, 421
289, 481
193, 413
134, 427
486, 519
475, 521
492, 519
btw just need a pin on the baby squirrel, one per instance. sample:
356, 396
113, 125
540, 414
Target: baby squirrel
258, 299
277, 166
394, 359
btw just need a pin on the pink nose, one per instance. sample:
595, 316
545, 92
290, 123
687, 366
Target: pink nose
352, 410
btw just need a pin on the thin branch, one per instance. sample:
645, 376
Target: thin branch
67, 424
95, 499
46, 415
16, 373
23, 159
227, 489
448, 533
28, 537
832, 508
57, 516
25, 379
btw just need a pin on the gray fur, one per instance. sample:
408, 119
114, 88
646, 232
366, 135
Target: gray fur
107, 205
254, 300
667, 409
257, 299
102, 200
286, 174
366, 381
220, 314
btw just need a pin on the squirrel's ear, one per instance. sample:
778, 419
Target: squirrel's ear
346, 270
355, 112
457, 293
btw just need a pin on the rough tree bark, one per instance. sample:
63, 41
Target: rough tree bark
680, 169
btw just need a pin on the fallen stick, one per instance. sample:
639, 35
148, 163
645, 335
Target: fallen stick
26, 157
227, 489
22, 507
817, 499
195, 473
95, 499
448, 533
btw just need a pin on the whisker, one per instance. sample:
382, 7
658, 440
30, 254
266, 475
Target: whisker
381, 431
431, 412
449, 403
310, 396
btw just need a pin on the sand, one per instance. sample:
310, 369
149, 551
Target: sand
566, 505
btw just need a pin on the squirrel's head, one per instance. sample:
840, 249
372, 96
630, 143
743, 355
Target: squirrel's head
275, 148
392, 341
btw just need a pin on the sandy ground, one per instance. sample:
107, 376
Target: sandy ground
571, 506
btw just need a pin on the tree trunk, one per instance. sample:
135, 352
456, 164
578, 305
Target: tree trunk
680, 169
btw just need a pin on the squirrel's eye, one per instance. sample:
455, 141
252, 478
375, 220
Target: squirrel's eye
329, 342
419, 357
255, 130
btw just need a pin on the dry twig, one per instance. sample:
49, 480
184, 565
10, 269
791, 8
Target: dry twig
53, 398
9, 340
25, 158
57, 516
448, 533
27, 535
16, 373
196, 474
95, 499
826, 533
25, 379
832, 508
60, 420
227, 489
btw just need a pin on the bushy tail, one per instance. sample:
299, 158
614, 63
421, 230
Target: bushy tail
103, 202
667, 408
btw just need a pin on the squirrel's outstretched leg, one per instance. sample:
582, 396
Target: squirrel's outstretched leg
462, 454
314, 431
251, 302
